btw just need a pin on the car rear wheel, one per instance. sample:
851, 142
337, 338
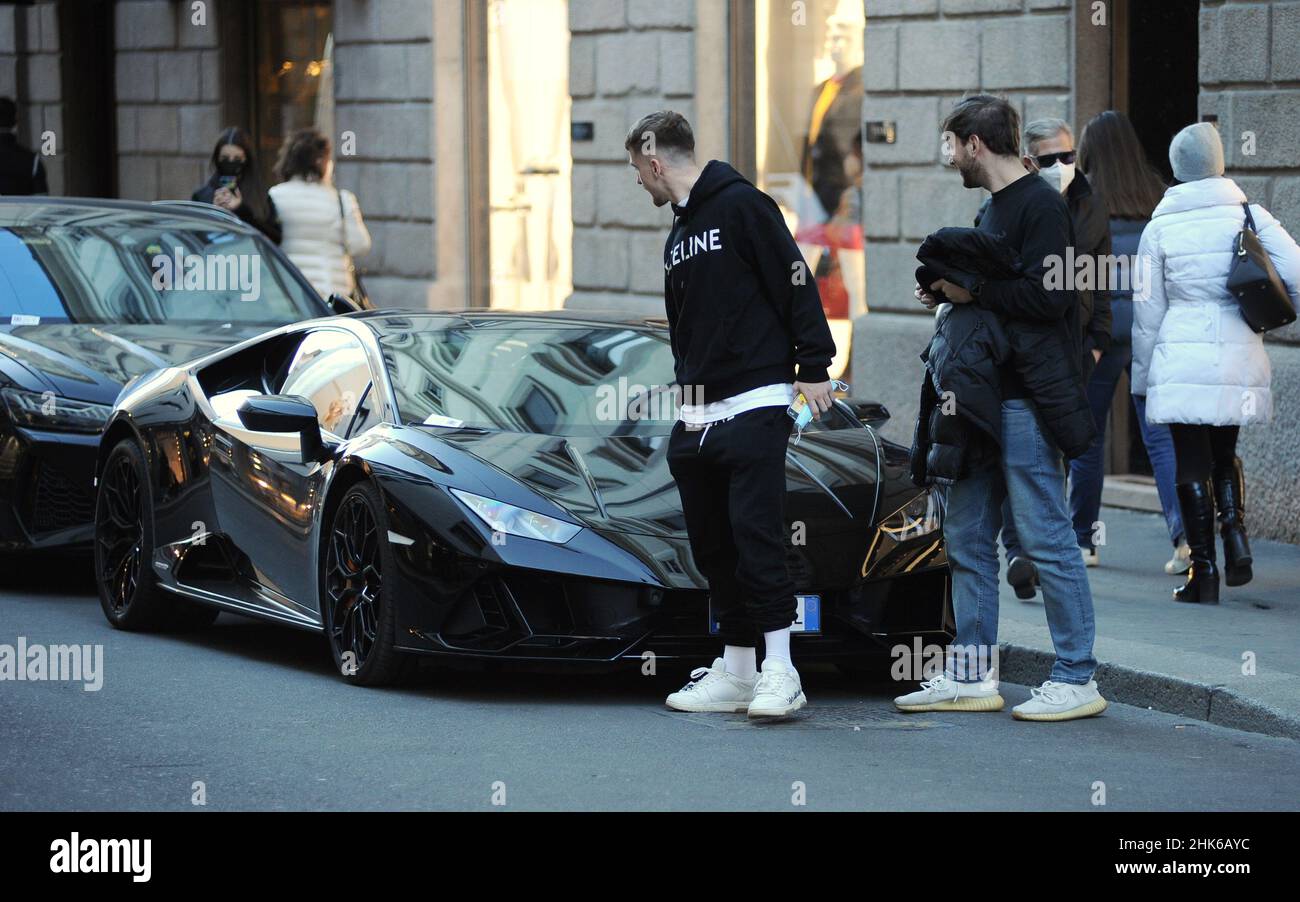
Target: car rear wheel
359, 617
124, 546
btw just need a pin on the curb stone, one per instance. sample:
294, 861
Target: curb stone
1144, 689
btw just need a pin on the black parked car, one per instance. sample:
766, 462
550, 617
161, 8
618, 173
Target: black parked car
489, 485
87, 303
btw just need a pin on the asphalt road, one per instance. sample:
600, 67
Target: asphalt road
257, 715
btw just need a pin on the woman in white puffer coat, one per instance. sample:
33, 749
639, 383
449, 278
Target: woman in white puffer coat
1202, 369
322, 226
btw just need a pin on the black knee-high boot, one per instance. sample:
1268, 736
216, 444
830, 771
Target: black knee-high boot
1197, 503
1230, 495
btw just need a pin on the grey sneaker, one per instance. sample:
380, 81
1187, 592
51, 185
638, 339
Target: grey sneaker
1061, 701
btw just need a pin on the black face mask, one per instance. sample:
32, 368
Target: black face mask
230, 167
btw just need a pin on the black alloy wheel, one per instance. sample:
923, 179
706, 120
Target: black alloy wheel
357, 615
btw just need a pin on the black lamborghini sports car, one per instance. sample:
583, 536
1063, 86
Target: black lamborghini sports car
82, 312
485, 484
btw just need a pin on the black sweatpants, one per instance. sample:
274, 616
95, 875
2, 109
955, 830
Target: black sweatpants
1201, 449
731, 477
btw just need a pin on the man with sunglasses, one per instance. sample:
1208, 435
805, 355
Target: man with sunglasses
1049, 152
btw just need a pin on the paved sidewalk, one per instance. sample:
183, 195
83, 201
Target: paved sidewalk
1181, 658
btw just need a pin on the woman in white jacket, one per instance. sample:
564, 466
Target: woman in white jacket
1202, 369
322, 225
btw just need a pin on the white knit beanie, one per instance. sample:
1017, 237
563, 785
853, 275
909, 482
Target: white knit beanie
1196, 153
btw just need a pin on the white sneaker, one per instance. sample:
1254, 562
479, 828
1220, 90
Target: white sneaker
1091, 557
1061, 701
713, 689
943, 694
778, 691
1181, 562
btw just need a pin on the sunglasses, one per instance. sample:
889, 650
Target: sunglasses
1049, 159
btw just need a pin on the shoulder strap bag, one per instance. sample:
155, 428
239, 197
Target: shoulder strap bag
1254, 282
358, 295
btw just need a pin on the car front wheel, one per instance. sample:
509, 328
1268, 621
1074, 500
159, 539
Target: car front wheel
124, 546
359, 617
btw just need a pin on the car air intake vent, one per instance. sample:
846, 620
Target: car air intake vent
495, 618
57, 503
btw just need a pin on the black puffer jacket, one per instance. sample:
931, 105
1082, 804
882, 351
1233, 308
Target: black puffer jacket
1048, 365
959, 428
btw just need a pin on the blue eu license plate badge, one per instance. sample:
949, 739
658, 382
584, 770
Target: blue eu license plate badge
808, 615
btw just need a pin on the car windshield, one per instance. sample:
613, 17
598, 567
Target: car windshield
552, 380
173, 270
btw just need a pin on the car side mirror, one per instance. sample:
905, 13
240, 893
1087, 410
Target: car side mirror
872, 413
285, 414
342, 304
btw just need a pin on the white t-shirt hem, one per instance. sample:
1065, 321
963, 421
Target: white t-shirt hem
779, 394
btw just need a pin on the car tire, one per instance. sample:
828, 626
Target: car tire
124, 544
359, 620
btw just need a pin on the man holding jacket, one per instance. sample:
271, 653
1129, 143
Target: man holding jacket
748, 332
982, 135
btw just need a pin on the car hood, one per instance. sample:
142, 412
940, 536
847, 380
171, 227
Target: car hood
91, 362
622, 483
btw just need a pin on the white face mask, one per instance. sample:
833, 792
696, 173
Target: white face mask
1058, 175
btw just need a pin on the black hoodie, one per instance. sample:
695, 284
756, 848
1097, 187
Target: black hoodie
743, 308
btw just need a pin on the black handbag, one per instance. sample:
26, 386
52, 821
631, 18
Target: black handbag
1254, 282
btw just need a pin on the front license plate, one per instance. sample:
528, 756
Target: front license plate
808, 615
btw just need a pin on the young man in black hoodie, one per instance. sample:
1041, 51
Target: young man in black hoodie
748, 332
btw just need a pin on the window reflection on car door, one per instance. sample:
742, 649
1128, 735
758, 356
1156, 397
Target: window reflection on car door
269, 514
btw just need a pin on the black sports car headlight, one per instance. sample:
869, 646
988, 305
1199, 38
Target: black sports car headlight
45, 410
517, 521
919, 517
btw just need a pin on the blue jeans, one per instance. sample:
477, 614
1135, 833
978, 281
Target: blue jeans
1087, 473
1030, 478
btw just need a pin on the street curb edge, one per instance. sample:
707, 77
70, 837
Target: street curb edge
1157, 691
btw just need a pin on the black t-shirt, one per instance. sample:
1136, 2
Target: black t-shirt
1032, 217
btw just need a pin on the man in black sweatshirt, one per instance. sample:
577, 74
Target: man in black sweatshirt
748, 333
982, 142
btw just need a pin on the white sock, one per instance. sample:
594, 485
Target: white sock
740, 661
778, 645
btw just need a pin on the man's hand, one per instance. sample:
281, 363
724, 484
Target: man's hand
952, 292
819, 395
928, 301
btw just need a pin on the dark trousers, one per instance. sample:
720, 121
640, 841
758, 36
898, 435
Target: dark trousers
1199, 448
1087, 473
731, 477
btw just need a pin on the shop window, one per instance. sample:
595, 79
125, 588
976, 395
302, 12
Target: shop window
292, 73
529, 162
808, 94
